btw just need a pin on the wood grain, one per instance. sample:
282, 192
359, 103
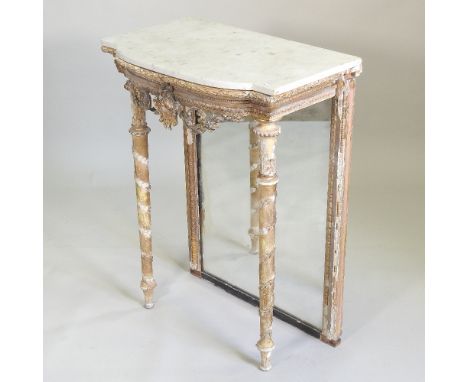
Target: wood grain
337, 210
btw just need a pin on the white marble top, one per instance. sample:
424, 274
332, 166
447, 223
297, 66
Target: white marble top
222, 56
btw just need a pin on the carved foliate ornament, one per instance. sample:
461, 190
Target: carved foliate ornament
140, 97
167, 106
164, 103
209, 121
200, 121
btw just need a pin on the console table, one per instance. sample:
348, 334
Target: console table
205, 73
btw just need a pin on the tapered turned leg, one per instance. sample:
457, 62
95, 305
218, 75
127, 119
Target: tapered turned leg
254, 166
140, 131
267, 179
337, 214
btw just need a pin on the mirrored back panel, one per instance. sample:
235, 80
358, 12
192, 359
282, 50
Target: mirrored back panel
302, 157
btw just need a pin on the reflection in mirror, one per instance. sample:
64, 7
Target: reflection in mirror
302, 157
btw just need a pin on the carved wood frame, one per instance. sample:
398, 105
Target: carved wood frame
202, 108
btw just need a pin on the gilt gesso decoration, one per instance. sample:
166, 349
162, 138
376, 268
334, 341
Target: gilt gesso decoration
201, 74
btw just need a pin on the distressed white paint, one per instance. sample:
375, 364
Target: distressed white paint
142, 184
222, 56
189, 136
143, 207
140, 158
145, 232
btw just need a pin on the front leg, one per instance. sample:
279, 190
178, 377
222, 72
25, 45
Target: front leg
139, 132
267, 179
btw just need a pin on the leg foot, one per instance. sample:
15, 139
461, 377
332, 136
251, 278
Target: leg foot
265, 355
147, 286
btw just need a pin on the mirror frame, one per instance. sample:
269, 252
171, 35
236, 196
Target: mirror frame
336, 227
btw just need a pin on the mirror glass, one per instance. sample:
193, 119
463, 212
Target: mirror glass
302, 158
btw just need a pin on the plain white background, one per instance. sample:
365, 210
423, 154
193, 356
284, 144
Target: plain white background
95, 328
21, 271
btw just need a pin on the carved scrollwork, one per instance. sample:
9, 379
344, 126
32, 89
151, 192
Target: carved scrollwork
164, 103
167, 106
169, 109
140, 97
200, 121
207, 121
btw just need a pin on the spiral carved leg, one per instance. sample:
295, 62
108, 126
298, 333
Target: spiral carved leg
266, 182
254, 167
140, 131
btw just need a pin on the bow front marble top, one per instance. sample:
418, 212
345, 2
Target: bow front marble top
222, 56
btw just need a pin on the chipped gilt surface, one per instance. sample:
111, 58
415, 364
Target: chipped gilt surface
194, 217
267, 179
140, 131
251, 85
254, 167
337, 209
